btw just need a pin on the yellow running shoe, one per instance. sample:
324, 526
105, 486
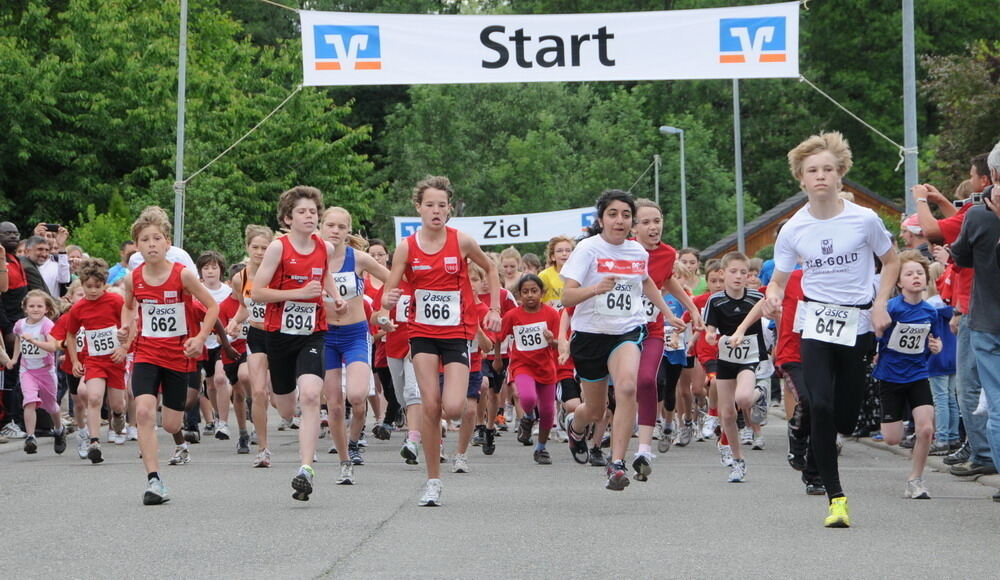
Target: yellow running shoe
840, 516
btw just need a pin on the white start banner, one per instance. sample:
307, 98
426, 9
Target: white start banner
341, 48
511, 229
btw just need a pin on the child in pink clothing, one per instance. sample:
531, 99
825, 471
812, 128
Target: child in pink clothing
35, 349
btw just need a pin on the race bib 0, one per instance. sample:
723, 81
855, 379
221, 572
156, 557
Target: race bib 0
102, 342
438, 308
909, 338
746, 352
164, 320
30, 351
298, 318
347, 285
830, 323
621, 301
403, 308
649, 310
257, 311
529, 337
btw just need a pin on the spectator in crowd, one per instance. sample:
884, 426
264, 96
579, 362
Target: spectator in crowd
55, 270
75, 255
975, 248
975, 457
11, 312
118, 271
913, 236
36, 253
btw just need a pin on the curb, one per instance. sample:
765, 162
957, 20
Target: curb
933, 461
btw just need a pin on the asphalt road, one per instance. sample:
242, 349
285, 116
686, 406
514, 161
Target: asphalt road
509, 518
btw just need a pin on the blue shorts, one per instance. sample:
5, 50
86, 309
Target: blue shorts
475, 384
347, 344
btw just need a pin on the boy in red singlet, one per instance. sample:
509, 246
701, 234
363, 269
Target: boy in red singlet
99, 316
290, 281
159, 293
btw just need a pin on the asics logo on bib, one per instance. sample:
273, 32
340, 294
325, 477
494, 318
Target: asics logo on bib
347, 47
752, 40
832, 312
438, 298
297, 309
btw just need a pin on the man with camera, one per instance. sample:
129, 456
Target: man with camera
975, 457
55, 269
976, 248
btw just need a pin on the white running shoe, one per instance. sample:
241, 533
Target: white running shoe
726, 455
432, 494
222, 431
82, 446
131, 433
346, 473
738, 473
915, 489
746, 435
758, 442
708, 429
263, 459
119, 438
181, 456
460, 463
111, 434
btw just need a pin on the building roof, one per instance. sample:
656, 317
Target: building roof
788, 206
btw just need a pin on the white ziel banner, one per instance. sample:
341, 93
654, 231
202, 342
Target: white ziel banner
511, 229
340, 48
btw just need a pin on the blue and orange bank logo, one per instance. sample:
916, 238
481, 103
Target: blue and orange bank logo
752, 40
347, 47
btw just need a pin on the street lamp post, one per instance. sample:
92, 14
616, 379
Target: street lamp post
665, 130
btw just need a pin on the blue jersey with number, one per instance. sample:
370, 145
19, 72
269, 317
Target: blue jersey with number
675, 357
899, 367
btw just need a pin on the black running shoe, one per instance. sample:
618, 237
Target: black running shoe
960, 456
60, 440
577, 443
815, 488
596, 457
489, 441
524, 430
243, 445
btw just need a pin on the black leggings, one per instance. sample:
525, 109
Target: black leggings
391, 404
800, 424
834, 385
666, 384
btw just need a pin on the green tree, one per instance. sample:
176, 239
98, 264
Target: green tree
965, 88
88, 94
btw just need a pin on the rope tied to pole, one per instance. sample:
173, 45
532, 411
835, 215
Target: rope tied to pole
290, 8
241, 139
903, 151
641, 176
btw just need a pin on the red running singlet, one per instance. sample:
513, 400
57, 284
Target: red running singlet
295, 270
166, 320
442, 303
